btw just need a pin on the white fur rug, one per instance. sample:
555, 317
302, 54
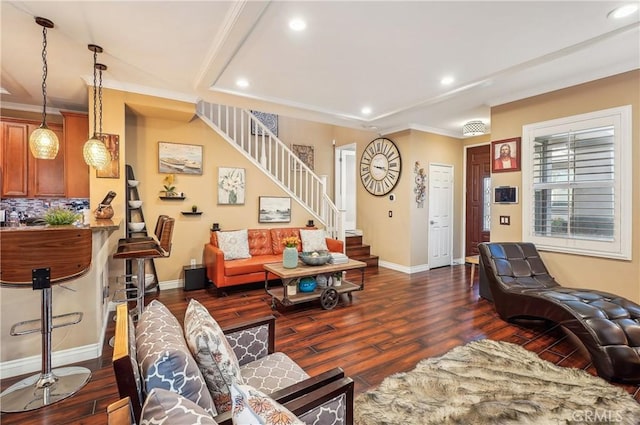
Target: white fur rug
490, 382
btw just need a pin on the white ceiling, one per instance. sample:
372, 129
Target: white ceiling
388, 55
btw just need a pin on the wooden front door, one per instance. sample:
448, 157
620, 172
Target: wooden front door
478, 198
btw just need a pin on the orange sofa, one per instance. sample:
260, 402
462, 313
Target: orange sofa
265, 246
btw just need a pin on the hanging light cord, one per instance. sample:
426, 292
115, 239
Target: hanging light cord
44, 75
100, 98
95, 109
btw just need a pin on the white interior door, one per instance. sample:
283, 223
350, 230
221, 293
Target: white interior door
345, 179
440, 215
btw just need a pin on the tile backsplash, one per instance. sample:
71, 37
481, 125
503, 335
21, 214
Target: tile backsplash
31, 207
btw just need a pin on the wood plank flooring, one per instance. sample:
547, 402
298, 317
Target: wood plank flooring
396, 321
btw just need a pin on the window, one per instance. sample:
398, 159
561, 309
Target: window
577, 184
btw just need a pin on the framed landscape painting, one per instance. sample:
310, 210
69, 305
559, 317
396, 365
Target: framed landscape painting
178, 158
274, 209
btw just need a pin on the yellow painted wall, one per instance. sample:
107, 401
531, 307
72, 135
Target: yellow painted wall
143, 121
619, 277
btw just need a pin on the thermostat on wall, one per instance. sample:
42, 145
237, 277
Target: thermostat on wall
505, 195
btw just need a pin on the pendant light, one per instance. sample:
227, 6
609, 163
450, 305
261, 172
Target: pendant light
94, 151
43, 142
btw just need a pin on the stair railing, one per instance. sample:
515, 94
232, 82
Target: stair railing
245, 132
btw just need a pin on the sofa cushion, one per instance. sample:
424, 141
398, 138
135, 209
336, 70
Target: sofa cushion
251, 406
214, 355
234, 244
260, 242
249, 265
165, 407
278, 234
313, 240
272, 373
165, 360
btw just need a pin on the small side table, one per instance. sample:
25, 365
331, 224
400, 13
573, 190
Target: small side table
474, 260
194, 277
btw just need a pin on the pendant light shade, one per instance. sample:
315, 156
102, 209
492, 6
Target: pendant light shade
473, 128
96, 154
43, 142
94, 151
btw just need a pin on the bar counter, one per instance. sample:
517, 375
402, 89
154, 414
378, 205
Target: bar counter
87, 293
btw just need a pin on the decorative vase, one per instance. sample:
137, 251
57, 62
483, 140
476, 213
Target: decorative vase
290, 258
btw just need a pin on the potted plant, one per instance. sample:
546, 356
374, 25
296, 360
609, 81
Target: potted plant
58, 216
169, 188
290, 253
194, 208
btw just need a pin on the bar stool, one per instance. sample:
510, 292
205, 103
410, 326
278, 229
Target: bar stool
142, 249
128, 279
38, 258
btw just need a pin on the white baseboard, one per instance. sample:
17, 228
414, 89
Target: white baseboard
60, 358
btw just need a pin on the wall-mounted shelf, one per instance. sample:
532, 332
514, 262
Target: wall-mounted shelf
191, 213
172, 198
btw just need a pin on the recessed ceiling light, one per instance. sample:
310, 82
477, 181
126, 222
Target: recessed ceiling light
446, 81
242, 82
297, 24
366, 110
623, 11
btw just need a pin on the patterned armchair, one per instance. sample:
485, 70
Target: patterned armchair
159, 355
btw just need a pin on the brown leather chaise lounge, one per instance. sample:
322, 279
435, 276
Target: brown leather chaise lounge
607, 325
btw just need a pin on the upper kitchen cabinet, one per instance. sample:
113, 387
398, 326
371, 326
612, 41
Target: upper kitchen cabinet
76, 133
22, 174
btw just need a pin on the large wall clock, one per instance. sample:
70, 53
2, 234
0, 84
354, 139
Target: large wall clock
380, 166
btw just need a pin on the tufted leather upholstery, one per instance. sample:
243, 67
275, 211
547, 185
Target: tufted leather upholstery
607, 325
265, 246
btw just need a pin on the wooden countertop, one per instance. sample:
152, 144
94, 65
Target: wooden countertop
95, 225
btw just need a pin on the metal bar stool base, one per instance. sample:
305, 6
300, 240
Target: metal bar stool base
42, 390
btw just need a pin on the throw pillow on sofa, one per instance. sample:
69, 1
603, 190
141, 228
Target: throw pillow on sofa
313, 240
167, 407
234, 245
251, 406
164, 358
214, 355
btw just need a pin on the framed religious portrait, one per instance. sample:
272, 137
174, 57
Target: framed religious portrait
505, 155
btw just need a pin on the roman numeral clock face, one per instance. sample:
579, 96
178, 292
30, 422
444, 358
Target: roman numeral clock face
380, 166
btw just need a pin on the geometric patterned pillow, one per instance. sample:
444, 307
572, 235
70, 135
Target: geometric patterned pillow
234, 245
165, 360
313, 240
251, 406
166, 407
215, 357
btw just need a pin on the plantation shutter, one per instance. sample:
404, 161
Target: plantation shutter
574, 185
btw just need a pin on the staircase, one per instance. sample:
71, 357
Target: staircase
247, 134
356, 250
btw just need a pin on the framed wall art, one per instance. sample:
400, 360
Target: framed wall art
274, 209
112, 170
178, 158
269, 120
305, 154
231, 186
505, 155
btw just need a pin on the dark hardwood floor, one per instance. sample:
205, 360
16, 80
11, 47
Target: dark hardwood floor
396, 321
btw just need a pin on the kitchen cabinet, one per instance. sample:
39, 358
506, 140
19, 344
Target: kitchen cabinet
76, 133
27, 177
22, 174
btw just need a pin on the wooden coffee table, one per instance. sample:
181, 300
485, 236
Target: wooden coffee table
287, 294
